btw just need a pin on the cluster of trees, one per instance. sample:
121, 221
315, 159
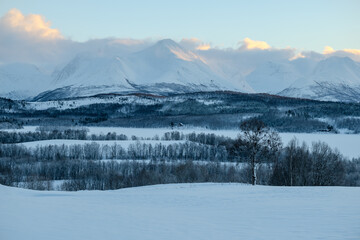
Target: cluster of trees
82, 166
352, 124
49, 133
10, 122
294, 165
300, 115
18, 137
297, 165
97, 175
300, 166
135, 151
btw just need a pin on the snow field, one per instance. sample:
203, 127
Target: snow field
182, 211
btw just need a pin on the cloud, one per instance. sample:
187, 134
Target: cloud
194, 44
328, 50
249, 44
234, 63
203, 47
297, 56
352, 51
347, 52
129, 41
30, 39
33, 25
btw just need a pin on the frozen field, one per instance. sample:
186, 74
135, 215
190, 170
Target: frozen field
182, 211
347, 144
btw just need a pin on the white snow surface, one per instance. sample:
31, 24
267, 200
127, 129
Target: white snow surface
20, 80
182, 211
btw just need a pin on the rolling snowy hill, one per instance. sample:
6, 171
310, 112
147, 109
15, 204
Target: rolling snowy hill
182, 211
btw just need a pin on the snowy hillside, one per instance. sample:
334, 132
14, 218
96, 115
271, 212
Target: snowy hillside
334, 78
182, 211
20, 81
162, 68
167, 67
272, 77
167, 62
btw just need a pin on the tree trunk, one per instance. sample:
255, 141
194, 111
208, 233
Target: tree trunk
291, 171
253, 177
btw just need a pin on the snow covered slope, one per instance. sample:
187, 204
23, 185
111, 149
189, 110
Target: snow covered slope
182, 211
167, 67
20, 81
334, 78
162, 68
272, 77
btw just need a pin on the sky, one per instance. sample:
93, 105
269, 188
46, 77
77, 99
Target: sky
50, 33
304, 25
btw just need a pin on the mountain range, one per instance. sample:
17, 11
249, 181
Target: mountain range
167, 67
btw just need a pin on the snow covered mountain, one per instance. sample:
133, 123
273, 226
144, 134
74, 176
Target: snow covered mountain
272, 77
166, 67
335, 78
21, 81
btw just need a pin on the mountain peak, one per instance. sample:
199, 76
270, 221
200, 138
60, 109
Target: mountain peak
337, 64
168, 49
168, 43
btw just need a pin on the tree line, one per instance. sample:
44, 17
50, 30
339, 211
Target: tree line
266, 161
95, 175
135, 151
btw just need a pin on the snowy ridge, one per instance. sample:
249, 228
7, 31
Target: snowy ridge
162, 68
334, 79
167, 67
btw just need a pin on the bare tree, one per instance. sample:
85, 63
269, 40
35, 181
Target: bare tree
259, 141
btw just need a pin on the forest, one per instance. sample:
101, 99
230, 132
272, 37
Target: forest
205, 109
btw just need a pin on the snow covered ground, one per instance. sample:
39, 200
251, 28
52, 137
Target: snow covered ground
347, 144
182, 211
